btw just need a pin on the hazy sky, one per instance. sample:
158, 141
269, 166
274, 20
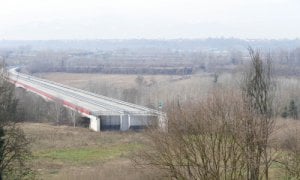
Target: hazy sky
112, 19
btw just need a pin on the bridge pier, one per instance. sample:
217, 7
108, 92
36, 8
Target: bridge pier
95, 123
124, 122
163, 122
129, 123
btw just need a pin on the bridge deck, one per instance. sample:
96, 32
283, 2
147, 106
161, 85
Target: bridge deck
83, 101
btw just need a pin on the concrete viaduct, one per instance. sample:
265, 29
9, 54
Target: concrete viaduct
103, 112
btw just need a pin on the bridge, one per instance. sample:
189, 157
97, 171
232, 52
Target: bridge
102, 111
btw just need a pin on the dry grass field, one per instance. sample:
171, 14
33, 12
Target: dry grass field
81, 80
62, 152
166, 87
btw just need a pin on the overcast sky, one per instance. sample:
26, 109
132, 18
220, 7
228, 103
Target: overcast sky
159, 19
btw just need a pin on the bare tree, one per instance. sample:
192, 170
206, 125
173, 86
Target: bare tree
257, 88
202, 141
58, 110
223, 136
74, 115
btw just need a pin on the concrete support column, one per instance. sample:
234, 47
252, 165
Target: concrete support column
163, 122
129, 121
95, 123
121, 122
124, 122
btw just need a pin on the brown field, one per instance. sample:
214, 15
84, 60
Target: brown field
165, 89
80, 80
62, 152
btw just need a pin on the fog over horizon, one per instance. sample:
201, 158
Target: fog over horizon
155, 19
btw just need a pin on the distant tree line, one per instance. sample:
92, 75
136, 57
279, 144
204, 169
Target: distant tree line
148, 44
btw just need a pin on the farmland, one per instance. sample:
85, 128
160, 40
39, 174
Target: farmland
62, 152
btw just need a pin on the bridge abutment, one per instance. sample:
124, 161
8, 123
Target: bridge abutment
95, 123
125, 122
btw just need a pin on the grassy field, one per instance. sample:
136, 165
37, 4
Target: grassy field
61, 152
